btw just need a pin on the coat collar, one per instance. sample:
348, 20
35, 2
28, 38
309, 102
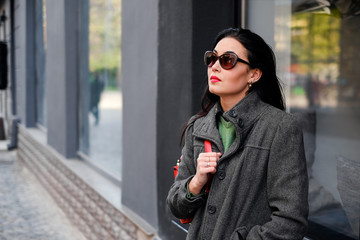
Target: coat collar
242, 115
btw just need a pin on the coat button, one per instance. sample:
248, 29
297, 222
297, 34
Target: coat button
211, 209
222, 175
240, 123
232, 113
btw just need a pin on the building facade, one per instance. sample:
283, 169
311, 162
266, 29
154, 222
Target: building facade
100, 89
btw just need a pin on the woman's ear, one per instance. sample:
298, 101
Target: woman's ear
255, 75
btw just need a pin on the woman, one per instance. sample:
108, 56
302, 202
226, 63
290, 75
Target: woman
257, 165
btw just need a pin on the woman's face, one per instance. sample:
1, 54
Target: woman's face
230, 84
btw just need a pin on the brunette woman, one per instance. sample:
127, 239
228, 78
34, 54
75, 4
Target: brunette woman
257, 166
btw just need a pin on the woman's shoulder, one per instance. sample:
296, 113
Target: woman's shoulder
195, 121
189, 126
201, 117
281, 117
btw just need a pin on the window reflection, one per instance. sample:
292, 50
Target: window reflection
40, 59
101, 120
323, 91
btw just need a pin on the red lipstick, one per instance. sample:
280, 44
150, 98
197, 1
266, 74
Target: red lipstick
214, 79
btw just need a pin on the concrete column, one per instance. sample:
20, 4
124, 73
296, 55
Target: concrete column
62, 75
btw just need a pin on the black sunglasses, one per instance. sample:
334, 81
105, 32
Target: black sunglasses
227, 60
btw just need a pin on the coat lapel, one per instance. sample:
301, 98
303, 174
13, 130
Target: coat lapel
243, 115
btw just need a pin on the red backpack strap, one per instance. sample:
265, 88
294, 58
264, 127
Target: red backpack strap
207, 146
208, 149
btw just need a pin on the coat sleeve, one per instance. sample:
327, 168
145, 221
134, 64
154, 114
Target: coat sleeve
180, 205
287, 185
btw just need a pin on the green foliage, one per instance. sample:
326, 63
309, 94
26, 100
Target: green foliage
104, 35
315, 40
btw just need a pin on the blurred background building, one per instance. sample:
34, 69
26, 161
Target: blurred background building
102, 89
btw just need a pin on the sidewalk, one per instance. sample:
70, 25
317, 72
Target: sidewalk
27, 211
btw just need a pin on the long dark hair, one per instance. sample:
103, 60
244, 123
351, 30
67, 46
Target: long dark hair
261, 56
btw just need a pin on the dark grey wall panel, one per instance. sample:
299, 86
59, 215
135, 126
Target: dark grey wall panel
209, 18
139, 76
174, 99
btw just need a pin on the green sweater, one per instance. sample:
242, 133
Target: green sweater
227, 133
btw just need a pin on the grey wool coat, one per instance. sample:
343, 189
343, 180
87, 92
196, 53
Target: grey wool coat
260, 188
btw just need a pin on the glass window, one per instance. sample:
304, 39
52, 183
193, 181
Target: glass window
318, 44
40, 54
101, 119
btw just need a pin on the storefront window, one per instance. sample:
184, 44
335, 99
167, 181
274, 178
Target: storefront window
40, 55
319, 64
102, 112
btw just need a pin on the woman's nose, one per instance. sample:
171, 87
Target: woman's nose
216, 66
